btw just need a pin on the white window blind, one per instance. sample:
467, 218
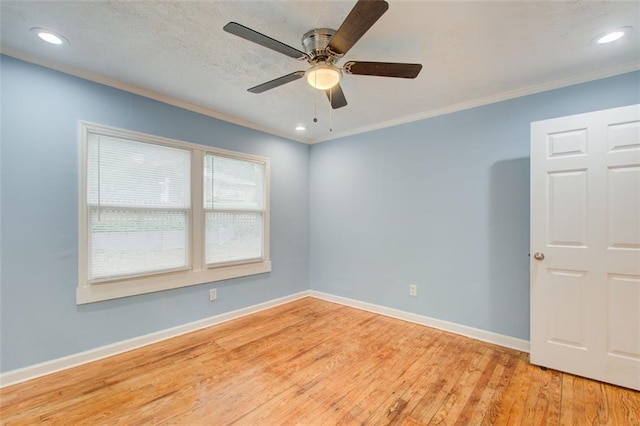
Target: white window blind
234, 203
138, 201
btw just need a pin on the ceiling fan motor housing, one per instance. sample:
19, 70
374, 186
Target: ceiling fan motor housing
315, 44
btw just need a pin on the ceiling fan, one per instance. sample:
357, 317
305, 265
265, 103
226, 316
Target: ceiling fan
324, 47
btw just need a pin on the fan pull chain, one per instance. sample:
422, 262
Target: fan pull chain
315, 100
331, 110
315, 108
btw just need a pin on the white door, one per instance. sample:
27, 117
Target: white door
585, 245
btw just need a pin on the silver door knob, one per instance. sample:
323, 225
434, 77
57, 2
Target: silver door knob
538, 256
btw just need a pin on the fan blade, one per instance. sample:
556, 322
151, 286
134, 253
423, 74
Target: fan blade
263, 40
277, 82
383, 69
362, 17
336, 97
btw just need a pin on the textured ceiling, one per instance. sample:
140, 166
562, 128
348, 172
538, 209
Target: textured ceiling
472, 53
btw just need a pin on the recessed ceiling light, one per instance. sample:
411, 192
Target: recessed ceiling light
49, 36
301, 128
612, 36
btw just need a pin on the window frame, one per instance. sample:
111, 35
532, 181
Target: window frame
206, 210
197, 272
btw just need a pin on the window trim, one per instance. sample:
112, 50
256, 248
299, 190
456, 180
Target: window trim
197, 272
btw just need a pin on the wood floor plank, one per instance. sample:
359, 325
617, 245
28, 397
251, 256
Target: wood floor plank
539, 396
624, 406
498, 397
461, 391
257, 331
456, 361
314, 362
517, 394
415, 381
327, 360
373, 390
578, 409
555, 398
479, 401
591, 393
341, 374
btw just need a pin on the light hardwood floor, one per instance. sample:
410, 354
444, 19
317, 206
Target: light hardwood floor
315, 362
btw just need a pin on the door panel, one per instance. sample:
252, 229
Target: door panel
624, 316
567, 326
624, 136
624, 208
585, 219
573, 142
567, 208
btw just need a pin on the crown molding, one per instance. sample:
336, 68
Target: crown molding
504, 96
156, 96
499, 97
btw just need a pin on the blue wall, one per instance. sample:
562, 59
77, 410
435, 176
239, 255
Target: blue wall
442, 203
39, 317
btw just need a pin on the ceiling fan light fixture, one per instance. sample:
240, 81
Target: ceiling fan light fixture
323, 76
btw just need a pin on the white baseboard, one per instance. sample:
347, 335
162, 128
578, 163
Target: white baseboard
53, 366
49, 367
474, 333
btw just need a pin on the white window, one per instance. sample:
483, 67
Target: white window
157, 214
234, 202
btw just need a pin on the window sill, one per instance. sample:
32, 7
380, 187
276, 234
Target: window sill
114, 290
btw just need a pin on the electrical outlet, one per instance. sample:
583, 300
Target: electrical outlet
413, 290
213, 294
